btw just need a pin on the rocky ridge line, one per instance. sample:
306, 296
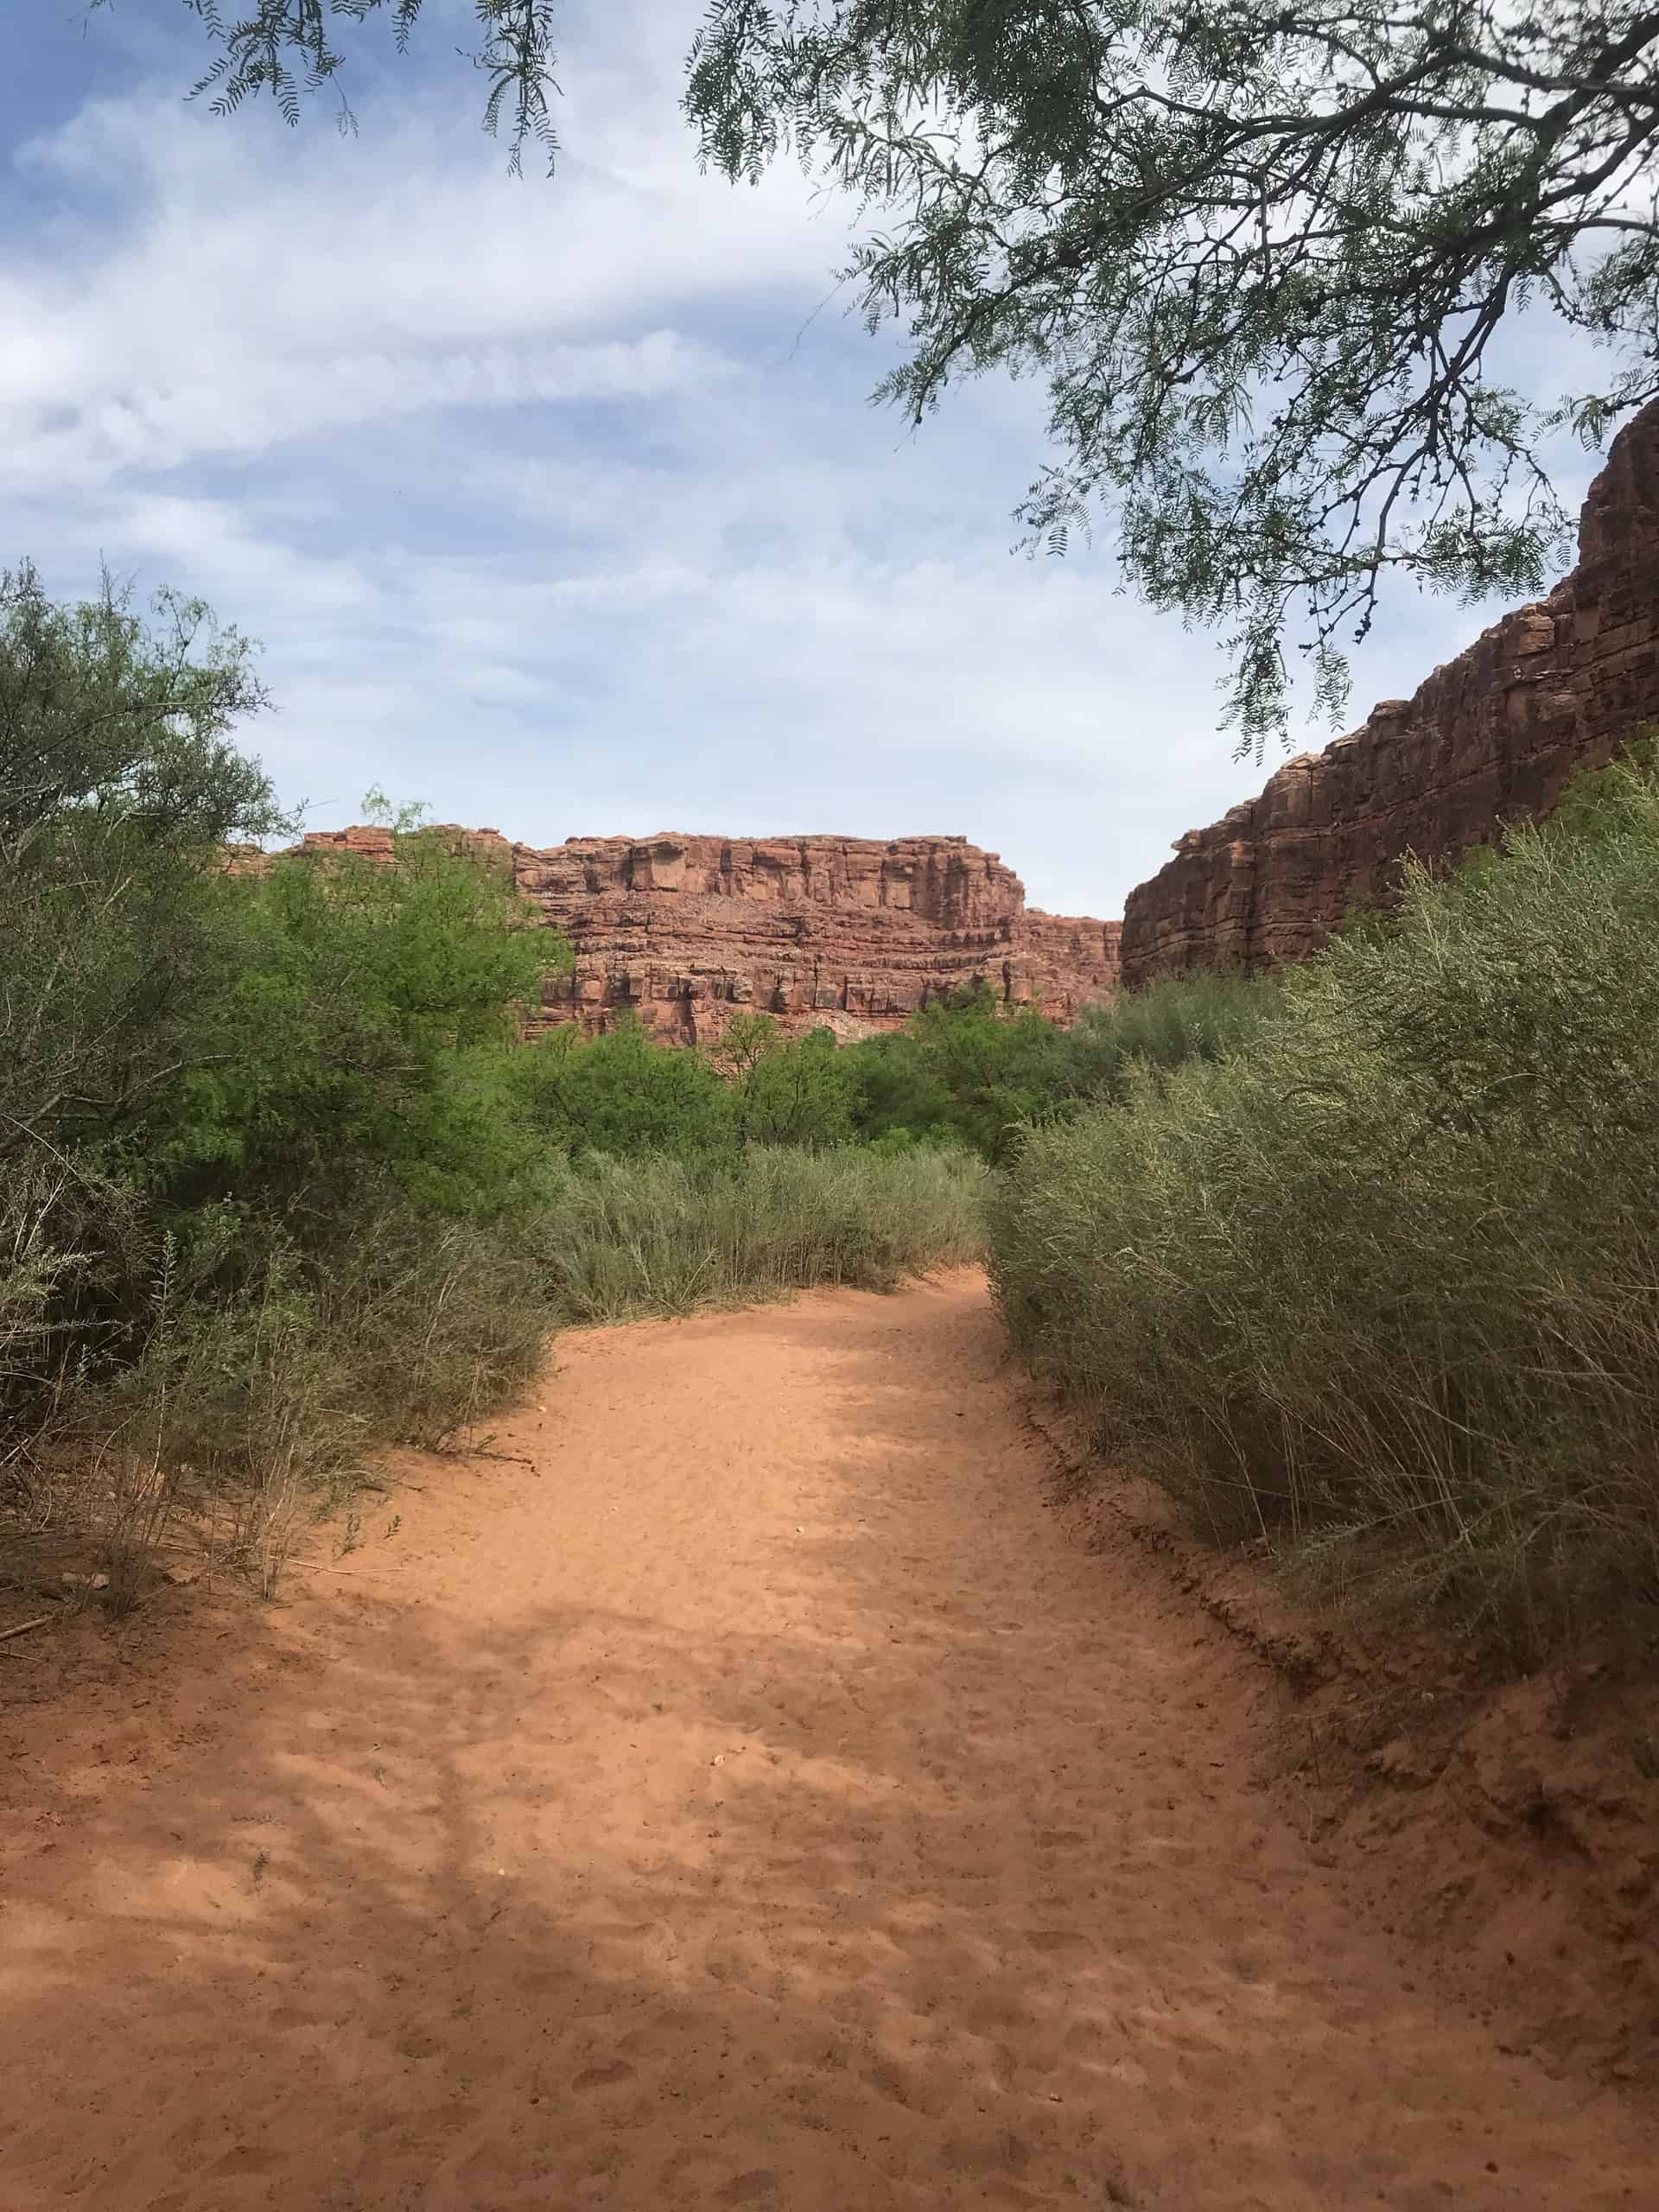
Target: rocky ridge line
1488, 739
852, 934
855, 933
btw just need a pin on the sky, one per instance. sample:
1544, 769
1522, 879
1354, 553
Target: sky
560, 506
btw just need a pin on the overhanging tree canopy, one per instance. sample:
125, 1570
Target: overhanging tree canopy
1262, 254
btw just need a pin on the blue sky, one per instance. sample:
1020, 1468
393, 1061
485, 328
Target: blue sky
559, 505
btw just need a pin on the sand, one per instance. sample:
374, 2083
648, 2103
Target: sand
753, 1800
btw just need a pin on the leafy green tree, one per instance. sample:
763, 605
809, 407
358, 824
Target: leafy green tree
1261, 251
902, 1098
364, 1013
745, 1039
965, 1066
799, 1093
261, 1195
119, 788
622, 1095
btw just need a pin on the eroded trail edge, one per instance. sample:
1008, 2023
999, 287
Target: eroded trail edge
746, 1797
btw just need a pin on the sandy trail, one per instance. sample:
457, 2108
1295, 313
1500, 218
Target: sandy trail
758, 1803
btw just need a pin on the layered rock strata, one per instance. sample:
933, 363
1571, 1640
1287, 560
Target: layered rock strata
855, 933
1489, 738
850, 933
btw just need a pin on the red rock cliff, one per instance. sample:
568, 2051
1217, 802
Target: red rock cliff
1489, 738
849, 933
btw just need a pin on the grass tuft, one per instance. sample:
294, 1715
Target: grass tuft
1381, 1282
620, 1239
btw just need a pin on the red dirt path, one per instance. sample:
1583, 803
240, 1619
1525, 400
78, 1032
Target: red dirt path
756, 1802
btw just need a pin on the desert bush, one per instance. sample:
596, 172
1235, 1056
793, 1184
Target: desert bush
627, 1096
118, 787
621, 1239
963, 1071
256, 1169
1197, 1016
358, 1025
968, 1070
37, 1265
269, 1361
441, 1321
621, 1095
797, 1092
236, 1409
1379, 1282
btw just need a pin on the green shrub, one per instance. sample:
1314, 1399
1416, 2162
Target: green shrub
800, 1093
255, 1163
444, 1320
358, 1025
1381, 1280
1198, 1016
265, 1359
118, 787
622, 1095
966, 1071
620, 1238
38, 1267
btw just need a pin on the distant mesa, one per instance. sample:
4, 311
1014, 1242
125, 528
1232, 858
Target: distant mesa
856, 934
852, 934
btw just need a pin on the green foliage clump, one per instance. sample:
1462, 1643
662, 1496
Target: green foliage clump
249, 1149
279, 1178
968, 1072
803, 1093
622, 1096
1202, 1015
364, 1013
669, 1234
118, 787
964, 1072
1377, 1282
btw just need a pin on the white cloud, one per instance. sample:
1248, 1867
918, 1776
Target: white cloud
260, 401
556, 505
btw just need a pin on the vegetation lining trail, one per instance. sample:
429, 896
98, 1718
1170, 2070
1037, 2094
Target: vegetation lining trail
751, 1800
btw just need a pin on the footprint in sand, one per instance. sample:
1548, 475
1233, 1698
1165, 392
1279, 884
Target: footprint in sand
603, 2077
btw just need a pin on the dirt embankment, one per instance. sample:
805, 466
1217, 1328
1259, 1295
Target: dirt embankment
1509, 1829
748, 1795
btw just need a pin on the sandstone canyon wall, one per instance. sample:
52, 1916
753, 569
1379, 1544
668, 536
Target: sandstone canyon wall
1489, 738
849, 933
855, 933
